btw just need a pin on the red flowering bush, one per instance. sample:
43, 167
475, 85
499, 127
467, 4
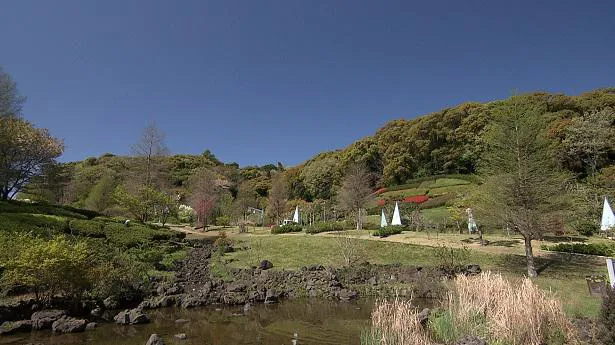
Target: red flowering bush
417, 199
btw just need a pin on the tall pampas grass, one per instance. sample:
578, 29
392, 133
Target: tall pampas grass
490, 306
487, 305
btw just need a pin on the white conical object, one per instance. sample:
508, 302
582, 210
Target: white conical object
383, 220
608, 218
396, 219
296, 216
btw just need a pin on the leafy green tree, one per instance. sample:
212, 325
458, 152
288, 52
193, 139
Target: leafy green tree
589, 139
144, 204
11, 100
101, 195
320, 175
522, 179
24, 151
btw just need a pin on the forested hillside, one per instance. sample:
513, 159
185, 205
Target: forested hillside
450, 141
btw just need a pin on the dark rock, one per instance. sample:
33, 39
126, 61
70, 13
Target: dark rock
154, 339
69, 325
12, 327
347, 295
265, 265
111, 303
181, 336
131, 317
471, 340
96, 312
472, 270
423, 316
44, 319
91, 325
272, 296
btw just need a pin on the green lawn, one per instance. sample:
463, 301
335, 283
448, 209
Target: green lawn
562, 274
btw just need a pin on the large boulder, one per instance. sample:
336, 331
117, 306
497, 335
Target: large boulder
69, 325
154, 339
12, 327
347, 295
45, 318
131, 317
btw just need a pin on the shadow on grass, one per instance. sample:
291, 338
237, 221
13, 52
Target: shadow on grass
555, 265
559, 239
500, 243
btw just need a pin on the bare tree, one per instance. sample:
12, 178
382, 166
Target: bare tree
350, 249
355, 192
203, 194
150, 147
11, 101
278, 195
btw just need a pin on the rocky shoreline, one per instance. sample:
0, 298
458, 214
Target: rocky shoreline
195, 286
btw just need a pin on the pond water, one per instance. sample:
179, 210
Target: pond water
290, 322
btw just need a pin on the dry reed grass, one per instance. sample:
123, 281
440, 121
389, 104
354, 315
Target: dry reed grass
486, 305
511, 313
396, 323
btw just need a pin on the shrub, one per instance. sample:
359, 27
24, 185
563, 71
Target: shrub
36, 223
286, 228
319, 227
48, 267
586, 227
389, 230
607, 318
602, 249
87, 228
223, 221
451, 259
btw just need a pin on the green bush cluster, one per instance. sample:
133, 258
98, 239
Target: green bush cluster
389, 230
35, 223
44, 208
122, 235
286, 228
319, 227
586, 227
602, 249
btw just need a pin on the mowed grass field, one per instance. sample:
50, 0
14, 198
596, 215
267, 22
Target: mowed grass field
562, 274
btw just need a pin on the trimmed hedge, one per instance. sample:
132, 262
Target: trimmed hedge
324, 227
14, 206
35, 223
286, 228
389, 230
87, 228
602, 249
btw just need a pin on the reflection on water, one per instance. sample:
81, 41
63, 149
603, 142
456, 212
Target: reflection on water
297, 322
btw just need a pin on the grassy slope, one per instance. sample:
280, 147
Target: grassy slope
49, 220
562, 274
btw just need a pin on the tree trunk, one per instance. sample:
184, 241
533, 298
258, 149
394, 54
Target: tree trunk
529, 256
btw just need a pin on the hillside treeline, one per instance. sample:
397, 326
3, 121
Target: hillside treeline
450, 141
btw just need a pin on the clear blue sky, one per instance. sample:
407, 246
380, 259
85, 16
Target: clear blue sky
266, 81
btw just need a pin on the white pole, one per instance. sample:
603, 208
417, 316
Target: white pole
609, 266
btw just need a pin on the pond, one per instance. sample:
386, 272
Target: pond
300, 322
